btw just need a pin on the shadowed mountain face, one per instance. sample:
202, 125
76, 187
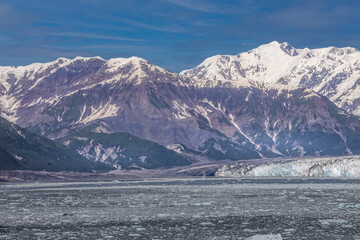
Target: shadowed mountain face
246, 121
121, 150
21, 149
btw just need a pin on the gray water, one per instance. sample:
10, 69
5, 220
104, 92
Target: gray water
182, 209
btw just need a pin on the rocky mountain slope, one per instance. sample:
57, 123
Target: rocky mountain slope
21, 149
121, 150
240, 120
332, 72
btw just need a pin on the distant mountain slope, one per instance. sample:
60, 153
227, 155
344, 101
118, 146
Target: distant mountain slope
21, 149
233, 120
283, 120
121, 150
332, 72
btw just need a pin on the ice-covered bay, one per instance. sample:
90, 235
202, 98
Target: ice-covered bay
182, 209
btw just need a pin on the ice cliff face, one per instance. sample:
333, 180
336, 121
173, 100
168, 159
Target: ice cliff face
240, 120
332, 72
313, 167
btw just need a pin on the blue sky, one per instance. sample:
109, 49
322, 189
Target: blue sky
174, 34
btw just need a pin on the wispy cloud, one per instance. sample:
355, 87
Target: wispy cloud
5, 38
121, 46
172, 29
200, 6
10, 17
118, 49
40, 52
95, 36
311, 16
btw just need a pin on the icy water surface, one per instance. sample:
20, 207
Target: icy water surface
182, 209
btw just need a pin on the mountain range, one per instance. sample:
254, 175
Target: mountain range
273, 101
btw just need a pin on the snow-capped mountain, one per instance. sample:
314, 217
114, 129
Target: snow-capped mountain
253, 120
332, 72
127, 95
39, 85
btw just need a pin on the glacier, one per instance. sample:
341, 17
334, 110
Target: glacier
344, 166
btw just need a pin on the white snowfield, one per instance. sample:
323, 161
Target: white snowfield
332, 72
342, 166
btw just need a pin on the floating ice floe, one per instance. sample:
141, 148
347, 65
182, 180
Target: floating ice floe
265, 237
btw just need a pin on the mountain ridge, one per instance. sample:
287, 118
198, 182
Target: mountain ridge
332, 72
232, 120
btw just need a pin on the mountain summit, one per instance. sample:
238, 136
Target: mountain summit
332, 72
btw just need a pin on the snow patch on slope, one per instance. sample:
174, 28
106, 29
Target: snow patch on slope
103, 111
8, 106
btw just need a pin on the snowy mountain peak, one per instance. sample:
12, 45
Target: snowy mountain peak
287, 48
332, 72
87, 58
138, 70
342, 51
62, 59
132, 69
274, 48
138, 59
274, 43
133, 59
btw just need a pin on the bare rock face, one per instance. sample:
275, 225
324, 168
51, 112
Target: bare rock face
232, 120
